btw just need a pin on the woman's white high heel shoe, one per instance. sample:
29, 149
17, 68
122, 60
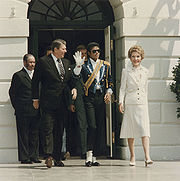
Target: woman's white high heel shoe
132, 163
148, 162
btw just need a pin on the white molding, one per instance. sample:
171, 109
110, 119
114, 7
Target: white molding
25, 1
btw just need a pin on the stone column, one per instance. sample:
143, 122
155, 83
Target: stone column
120, 144
14, 30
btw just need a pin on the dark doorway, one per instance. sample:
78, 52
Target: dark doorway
72, 37
77, 22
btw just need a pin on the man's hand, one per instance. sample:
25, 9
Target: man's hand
107, 98
121, 108
72, 108
74, 93
36, 104
79, 60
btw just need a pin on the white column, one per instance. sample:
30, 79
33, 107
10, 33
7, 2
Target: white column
14, 30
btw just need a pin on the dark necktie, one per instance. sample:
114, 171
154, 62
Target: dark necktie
61, 68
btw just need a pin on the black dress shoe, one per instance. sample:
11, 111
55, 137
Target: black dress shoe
26, 162
48, 162
36, 161
58, 163
88, 164
96, 164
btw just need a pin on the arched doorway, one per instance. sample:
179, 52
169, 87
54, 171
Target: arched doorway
78, 22
50, 19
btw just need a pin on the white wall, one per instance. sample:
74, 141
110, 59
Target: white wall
14, 30
155, 26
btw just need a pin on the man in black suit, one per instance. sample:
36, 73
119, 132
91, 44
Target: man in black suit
78, 107
27, 118
98, 89
55, 75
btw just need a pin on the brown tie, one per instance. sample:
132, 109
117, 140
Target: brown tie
61, 68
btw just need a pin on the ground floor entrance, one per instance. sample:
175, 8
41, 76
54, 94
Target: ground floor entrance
38, 43
72, 37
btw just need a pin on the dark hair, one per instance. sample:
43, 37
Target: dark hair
80, 47
91, 45
57, 43
27, 56
48, 48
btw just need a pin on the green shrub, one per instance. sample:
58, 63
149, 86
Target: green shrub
175, 85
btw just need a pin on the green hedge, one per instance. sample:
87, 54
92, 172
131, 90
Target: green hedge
175, 86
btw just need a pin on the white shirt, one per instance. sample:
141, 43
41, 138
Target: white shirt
30, 72
94, 63
56, 63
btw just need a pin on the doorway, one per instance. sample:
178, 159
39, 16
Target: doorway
73, 39
77, 22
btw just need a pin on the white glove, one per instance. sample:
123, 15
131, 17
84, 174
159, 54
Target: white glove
79, 60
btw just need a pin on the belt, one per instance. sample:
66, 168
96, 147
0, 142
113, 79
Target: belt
98, 91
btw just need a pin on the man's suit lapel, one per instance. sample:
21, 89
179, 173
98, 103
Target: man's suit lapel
66, 68
53, 66
89, 66
26, 79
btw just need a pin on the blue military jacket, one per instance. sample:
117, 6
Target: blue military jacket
105, 79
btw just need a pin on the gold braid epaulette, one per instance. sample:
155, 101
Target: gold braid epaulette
108, 84
106, 63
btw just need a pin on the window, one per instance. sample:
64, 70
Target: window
70, 10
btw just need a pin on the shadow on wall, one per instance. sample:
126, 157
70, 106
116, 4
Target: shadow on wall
163, 27
163, 46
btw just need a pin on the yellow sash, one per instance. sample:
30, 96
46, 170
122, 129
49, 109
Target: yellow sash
92, 77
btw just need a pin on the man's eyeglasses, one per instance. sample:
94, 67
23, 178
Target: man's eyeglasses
94, 51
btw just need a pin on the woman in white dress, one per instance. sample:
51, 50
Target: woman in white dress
134, 105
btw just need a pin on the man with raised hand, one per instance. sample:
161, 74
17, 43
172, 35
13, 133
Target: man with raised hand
98, 89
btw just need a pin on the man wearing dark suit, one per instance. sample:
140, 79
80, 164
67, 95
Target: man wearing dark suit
55, 75
98, 89
27, 118
79, 108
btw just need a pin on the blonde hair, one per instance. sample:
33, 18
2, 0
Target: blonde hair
138, 49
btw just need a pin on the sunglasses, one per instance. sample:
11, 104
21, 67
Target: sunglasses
94, 51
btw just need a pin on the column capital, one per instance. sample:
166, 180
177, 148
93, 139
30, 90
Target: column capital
25, 1
115, 3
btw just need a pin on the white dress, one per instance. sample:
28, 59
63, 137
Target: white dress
133, 94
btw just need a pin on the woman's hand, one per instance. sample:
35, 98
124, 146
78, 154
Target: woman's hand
121, 108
